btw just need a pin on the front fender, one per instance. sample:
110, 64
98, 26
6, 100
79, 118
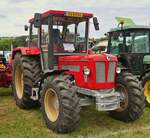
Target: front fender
143, 74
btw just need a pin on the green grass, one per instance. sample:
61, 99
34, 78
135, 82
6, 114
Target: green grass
17, 123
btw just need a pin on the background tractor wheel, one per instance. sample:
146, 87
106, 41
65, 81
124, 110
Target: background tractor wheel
132, 98
59, 104
26, 74
146, 85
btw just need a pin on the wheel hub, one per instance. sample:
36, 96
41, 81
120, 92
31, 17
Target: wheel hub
19, 81
147, 91
51, 104
124, 97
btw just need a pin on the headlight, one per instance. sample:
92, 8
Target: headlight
118, 70
86, 71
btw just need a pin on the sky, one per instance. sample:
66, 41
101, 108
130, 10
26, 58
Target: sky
14, 14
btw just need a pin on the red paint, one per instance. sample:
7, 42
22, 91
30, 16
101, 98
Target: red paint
26, 51
88, 61
59, 12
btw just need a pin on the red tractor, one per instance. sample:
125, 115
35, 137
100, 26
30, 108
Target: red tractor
5, 69
57, 71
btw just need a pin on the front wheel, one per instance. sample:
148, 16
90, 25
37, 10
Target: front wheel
59, 104
146, 85
132, 98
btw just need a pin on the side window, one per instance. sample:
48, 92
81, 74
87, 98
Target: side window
81, 32
81, 36
141, 43
34, 40
44, 35
116, 43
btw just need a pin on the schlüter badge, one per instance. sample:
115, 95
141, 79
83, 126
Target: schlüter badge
108, 57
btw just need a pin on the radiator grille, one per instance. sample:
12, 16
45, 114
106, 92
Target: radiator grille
111, 72
71, 67
100, 72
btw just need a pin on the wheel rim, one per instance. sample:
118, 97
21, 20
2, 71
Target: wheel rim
147, 91
51, 104
124, 97
19, 84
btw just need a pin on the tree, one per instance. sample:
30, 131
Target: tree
5, 43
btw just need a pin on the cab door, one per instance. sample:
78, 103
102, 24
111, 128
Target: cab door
137, 43
137, 62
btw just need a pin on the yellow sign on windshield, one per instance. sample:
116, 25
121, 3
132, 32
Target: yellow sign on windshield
74, 14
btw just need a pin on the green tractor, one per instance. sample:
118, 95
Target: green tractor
131, 44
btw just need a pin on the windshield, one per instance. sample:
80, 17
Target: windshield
68, 35
130, 42
137, 42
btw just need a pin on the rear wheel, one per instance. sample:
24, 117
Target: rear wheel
132, 98
59, 104
146, 86
24, 72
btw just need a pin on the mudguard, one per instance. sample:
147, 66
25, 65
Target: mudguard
25, 51
146, 71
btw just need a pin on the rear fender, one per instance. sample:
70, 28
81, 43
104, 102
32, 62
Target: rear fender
25, 51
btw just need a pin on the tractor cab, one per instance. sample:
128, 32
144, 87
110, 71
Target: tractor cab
59, 33
132, 45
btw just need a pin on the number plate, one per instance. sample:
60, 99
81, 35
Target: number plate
74, 14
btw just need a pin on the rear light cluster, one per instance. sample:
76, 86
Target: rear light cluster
101, 72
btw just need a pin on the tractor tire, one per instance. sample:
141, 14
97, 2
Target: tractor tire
132, 98
146, 85
26, 74
59, 104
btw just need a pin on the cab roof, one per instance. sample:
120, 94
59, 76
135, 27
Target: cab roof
134, 27
64, 14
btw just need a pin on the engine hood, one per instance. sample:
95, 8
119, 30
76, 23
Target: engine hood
92, 57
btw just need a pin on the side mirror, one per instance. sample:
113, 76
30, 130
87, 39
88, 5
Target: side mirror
96, 23
106, 35
37, 20
26, 27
